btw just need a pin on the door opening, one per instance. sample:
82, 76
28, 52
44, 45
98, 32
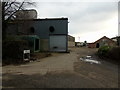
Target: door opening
97, 45
36, 44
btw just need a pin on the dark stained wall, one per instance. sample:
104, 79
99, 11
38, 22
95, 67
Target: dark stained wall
41, 27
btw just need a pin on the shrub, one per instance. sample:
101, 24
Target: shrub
102, 51
109, 53
12, 51
114, 53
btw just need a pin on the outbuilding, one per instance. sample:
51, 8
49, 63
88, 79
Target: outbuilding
71, 41
117, 40
101, 42
53, 32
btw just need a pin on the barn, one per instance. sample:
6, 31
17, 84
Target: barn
53, 32
117, 40
101, 42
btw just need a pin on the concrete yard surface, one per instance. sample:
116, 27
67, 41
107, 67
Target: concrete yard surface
62, 70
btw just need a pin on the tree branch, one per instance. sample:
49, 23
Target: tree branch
15, 11
11, 7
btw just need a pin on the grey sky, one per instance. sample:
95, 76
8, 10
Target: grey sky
88, 20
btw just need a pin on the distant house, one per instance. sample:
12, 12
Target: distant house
79, 44
101, 42
117, 40
71, 41
53, 32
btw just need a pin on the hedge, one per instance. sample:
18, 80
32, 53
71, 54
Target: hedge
12, 51
111, 53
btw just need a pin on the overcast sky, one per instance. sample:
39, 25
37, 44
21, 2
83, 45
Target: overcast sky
89, 20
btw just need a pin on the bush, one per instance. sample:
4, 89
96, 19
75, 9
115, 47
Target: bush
12, 51
109, 53
102, 51
114, 53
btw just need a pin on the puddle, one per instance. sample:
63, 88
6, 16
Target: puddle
90, 60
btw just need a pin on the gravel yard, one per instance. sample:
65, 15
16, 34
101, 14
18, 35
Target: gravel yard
62, 70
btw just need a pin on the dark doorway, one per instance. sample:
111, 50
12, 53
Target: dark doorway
32, 30
97, 45
36, 44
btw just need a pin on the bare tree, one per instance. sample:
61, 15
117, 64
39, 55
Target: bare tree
9, 9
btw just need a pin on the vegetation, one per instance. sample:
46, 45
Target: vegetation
12, 48
13, 51
102, 51
9, 9
114, 54
109, 53
85, 43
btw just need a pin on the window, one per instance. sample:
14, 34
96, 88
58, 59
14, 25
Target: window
51, 29
32, 30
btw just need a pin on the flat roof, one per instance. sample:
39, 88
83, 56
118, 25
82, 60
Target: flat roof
40, 19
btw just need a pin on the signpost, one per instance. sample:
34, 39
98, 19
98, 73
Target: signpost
26, 55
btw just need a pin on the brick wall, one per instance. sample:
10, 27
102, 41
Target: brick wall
101, 42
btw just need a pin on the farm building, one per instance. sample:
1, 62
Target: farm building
117, 40
71, 41
79, 44
101, 42
53, 32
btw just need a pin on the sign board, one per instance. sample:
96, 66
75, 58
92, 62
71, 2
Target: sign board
26, 51
26, 55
